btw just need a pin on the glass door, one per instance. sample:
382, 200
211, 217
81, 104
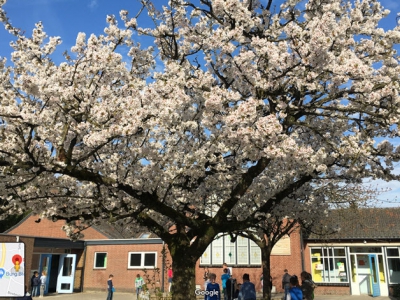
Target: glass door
44, 269
373, 265
66, 273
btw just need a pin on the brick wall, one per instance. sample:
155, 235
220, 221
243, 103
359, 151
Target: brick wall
117, 264
290, 262
332, 290
78, 270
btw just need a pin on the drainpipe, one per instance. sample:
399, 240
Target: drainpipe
302, 250
83, 268
163, 267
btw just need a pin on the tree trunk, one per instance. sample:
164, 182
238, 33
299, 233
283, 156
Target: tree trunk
183, 267
266, 269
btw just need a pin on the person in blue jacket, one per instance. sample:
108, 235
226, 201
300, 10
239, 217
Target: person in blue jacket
224, 278
247, 289
295, 292
212, 291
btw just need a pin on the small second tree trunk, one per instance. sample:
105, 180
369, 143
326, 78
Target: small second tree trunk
266, 268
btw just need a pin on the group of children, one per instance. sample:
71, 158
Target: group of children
305, 291
38, 284
230, 289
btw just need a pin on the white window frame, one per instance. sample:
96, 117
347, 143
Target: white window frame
105, 261
142, 266
217, 250
252, 255
390, 257
243, 255
328, 262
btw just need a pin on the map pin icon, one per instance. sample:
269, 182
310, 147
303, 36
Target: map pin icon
1, 273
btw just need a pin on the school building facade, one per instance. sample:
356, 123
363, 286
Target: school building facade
360, 258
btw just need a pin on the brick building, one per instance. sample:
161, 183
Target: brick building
103, 251
360, 258
48, 249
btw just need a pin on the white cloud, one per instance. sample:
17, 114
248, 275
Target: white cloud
93, 4
390, 4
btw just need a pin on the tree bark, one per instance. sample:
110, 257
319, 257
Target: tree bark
266, 269
184, 274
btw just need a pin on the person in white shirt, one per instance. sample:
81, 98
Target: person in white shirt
43, 279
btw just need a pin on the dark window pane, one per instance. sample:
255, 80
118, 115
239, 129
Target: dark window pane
65, 286
393, 252
373, 269
149, 259
67, 266
339, 252
135, 259
101, 259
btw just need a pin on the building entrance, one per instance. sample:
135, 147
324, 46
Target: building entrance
60, 272
367, 271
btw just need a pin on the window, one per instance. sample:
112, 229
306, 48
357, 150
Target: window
100, 260
139, 260
242, 252
393, 262
329, 264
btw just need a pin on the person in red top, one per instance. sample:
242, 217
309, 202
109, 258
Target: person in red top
170, 276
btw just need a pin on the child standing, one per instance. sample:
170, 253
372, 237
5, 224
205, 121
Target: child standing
110, 287
170, 275
139, 282
35, 282
295, 292
224, 278
212, 291
42, 283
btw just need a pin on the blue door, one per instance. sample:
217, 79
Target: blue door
374, 268
45, 266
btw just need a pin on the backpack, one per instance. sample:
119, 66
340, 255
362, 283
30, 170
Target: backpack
313, 285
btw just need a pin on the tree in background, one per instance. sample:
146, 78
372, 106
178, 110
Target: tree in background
308, 216
251, 101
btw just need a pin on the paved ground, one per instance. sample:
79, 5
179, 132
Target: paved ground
128, 296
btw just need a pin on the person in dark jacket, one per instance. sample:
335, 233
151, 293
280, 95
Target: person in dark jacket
110, 287
286, 283
237, 291
230, 288
35, 284
307, 286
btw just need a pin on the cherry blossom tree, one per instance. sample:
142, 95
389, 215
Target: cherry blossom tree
306, 215
236, 99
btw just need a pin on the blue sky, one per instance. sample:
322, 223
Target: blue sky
65, 18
